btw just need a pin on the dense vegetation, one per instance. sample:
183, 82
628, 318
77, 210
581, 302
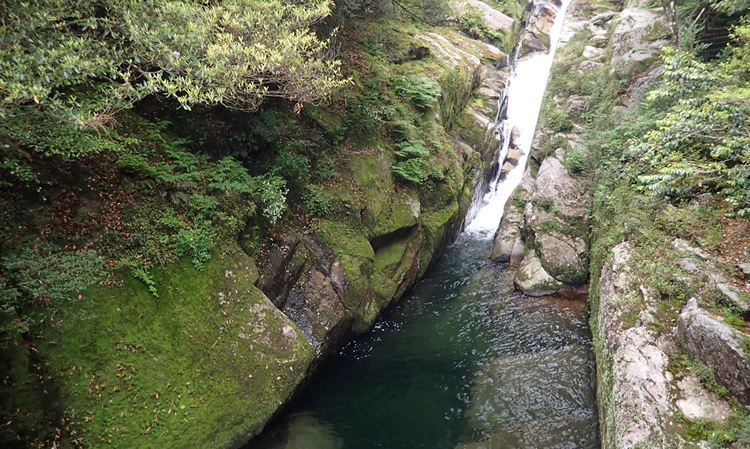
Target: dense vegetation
142, 140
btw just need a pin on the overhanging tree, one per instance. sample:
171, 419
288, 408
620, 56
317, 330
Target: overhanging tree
82, 60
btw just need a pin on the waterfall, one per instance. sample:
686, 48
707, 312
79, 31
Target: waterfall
524, 101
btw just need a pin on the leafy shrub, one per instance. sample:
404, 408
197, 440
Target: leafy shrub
293, 167
315, 202
558, 120
577, 161
44, 276
701, 144
413, 170
421, 91
193, 53
271, 192
324, 169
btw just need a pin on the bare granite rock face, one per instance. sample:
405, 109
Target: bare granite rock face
563, 256
549, 218
633, 382
699, 403
706, 337
508, 246
638, 35
695, 261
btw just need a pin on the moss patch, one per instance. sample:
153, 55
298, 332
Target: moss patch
356, 255
203, 365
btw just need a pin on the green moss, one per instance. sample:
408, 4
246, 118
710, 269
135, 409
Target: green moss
356, 255
435, 227
331, 123
367, 181
401, 212
470, 131
456, 87
392, 261
204, 365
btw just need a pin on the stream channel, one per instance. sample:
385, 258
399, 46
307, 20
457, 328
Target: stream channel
463, 360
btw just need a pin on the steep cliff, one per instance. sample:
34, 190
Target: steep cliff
668, 294
202, 350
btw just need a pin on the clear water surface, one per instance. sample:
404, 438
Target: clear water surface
463, 360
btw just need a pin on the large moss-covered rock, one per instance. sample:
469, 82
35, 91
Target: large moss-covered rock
203, 365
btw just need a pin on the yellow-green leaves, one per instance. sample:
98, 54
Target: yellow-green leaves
234, 52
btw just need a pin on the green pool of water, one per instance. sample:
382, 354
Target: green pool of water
462, 361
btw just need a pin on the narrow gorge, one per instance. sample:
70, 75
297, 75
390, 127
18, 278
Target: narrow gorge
372, 237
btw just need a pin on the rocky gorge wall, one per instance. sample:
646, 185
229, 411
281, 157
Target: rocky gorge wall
672, 365
211, 359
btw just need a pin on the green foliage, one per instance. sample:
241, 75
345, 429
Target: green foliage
271, 191
434, 11
412, 165
413, 170
731, 7
558, 120
293, 167
702, 144
365, 115
317, 204
421, 91
13, 167
412, 149
84, 62
48, 136
44, 276
473, 23
577, 161
511, 8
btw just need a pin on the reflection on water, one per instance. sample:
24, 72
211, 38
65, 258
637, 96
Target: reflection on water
463, 361
304, 430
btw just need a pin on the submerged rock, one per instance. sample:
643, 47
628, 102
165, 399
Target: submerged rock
307, 431
533, 401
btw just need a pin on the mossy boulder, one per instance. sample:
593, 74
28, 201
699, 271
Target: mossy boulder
203, 365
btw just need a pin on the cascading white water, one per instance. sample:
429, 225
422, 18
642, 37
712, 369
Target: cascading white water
525, 92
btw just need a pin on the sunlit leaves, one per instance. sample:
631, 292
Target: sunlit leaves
702, 143
235, 53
